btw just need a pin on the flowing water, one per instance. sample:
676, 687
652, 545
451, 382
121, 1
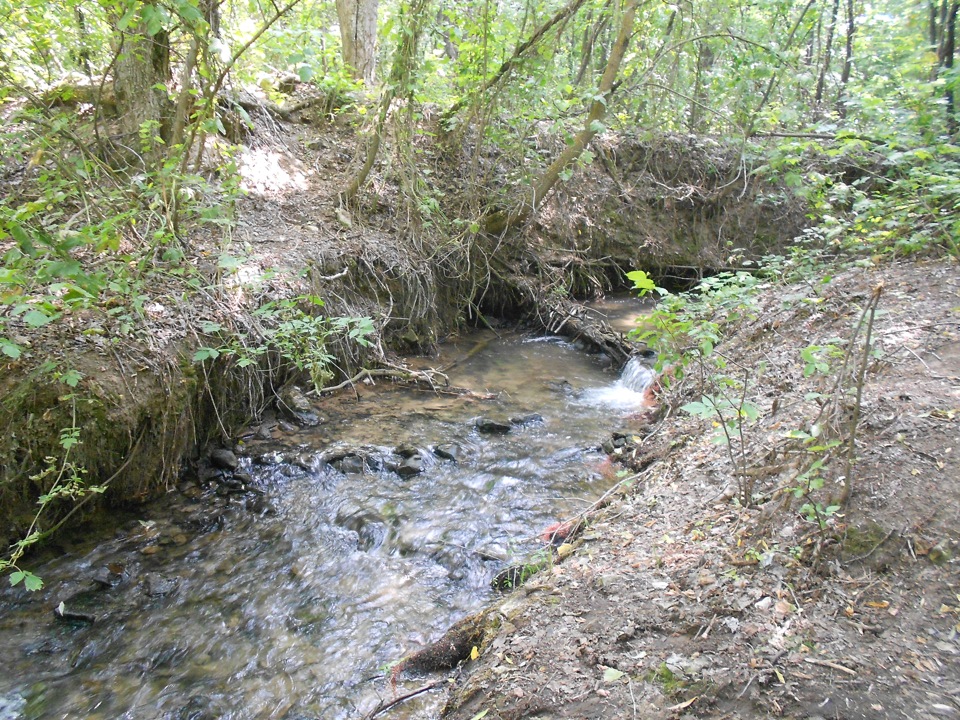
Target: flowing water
290, 597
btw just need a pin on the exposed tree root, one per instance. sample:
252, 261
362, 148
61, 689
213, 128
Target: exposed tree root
419, 376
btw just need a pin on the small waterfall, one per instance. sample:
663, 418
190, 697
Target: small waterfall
636, 376
628, 392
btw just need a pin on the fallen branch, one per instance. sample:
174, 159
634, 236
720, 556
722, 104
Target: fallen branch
384, 706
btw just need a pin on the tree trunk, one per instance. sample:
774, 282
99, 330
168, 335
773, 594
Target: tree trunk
405, 65
499, 222
699, 100
143, 63
847, 60
358, 33
827, 52
949, 50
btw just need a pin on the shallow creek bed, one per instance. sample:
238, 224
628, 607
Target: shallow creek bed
287, 578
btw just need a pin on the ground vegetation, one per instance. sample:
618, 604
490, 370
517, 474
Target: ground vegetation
204, 203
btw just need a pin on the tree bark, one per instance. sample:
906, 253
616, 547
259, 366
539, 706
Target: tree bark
358, 34
827, 52
590, 36
143, 63
499, 222
949, 51
847, 60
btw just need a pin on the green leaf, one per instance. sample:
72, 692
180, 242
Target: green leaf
641, 281
612, 675
36, 318
750, 411
17, 577
71, 378
127, 18
206, 353
305, 72
480, 715
696, 408
597, 126
228, 262
32, 582
10, 348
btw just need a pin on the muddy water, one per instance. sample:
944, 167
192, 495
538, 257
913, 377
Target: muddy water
290, 596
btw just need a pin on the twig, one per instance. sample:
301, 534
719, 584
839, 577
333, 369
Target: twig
869, 314
383, 707
873, 549
337, 276
105, 483
830, 664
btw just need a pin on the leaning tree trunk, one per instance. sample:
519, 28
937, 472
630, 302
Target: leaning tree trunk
405, 66
499, 222
142, 67
358, 34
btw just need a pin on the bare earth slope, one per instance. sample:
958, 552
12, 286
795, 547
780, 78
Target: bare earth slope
678, 603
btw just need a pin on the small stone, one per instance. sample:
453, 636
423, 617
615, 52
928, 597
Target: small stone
410, 467
180, 539
294, 403
448, 451
940, 553
224, 459
150, 550
492, 427
269, 458
351, 465
406, 451
109, 576
156, 585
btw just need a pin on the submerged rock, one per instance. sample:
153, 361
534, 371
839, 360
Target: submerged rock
492, 427
156, 585
369, 525
411, 466
527, 419
350, 465
448, 451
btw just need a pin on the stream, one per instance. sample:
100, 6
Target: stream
287, 589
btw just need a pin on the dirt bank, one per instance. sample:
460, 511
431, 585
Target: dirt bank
677, 602
125, 376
